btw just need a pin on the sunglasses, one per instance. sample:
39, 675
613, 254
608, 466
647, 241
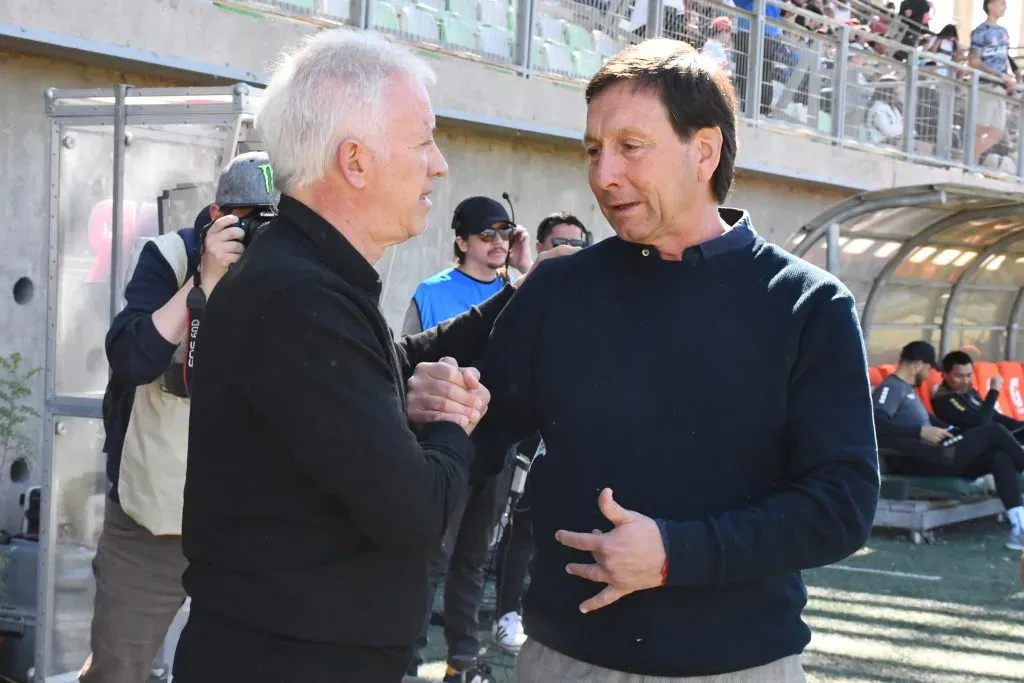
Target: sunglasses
559, 241
499, 229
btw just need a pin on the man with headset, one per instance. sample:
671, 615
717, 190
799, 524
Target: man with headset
486, 242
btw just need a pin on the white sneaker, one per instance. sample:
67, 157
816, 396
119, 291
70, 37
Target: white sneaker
509, 634
1016, 540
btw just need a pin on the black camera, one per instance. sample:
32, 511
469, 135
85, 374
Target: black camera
254, 224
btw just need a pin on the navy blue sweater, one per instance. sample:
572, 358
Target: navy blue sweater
137, 354
726, 396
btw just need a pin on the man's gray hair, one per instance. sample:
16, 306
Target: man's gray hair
330, 88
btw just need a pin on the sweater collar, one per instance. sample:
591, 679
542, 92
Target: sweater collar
336, 251
739, 237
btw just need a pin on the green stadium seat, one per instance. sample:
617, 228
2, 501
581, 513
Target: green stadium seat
577, 37
585, 63
467, 9
491, 13
421, 23
495, 42
458, 32
555, 58
383, 16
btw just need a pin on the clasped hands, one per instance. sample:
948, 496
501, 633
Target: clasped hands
444, 392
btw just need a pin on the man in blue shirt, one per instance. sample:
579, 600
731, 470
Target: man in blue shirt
484, 235
990, 53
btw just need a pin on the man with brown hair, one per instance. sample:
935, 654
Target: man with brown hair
721, 393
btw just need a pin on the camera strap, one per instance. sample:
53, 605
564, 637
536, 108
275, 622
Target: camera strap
195, 304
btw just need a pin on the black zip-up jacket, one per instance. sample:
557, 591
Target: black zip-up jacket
311, 506
967, 411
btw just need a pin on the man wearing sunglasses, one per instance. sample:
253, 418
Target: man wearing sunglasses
561, 228
486, 243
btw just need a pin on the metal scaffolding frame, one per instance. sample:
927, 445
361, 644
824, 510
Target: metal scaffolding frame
125, 164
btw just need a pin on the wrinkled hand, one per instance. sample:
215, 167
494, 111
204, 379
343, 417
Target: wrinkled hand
934, 435
519, 256
443, 391
630, 557
222, 248
556, 252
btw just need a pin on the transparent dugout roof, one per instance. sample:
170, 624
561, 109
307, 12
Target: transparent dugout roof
943, 263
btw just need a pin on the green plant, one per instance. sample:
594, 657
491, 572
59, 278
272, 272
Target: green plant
14, 412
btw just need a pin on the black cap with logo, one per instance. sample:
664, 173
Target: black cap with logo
476, 214
920, 351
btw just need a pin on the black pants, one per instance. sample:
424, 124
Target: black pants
514, 554
460, 563
991, 449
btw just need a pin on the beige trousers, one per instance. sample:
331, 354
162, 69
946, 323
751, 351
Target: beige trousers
537, 663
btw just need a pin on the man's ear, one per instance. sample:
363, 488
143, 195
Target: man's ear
462, 244
215, 212
354, 160
708, 145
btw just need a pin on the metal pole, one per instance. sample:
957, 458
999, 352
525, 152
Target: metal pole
1011, 326
840, 85
655, 19
116, 223
969, 118
910, 108
525, 12
832, 249
755, 60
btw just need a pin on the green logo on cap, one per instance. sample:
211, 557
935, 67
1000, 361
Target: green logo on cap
268, 177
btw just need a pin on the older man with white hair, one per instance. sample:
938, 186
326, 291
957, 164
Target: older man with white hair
311, 505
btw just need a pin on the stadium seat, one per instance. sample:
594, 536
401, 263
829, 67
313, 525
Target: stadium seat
420, 22
585, 63
384, 17
495, 41
431, 5
337, 9
549, 28
555, 58
577, 37
1013, 387
491, 13
466, 9
605, 46
875, 376
887, 369
984, 371
458, 32
927, 389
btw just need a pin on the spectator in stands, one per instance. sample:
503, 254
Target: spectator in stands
484, 237
924, 446
719, 45
956, 402
730, 476
885, 112
516, 547
139, 561
990, 49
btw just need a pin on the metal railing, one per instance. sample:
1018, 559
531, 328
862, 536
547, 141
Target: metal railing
860, 86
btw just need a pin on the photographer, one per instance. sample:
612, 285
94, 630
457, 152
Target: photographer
139, 562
